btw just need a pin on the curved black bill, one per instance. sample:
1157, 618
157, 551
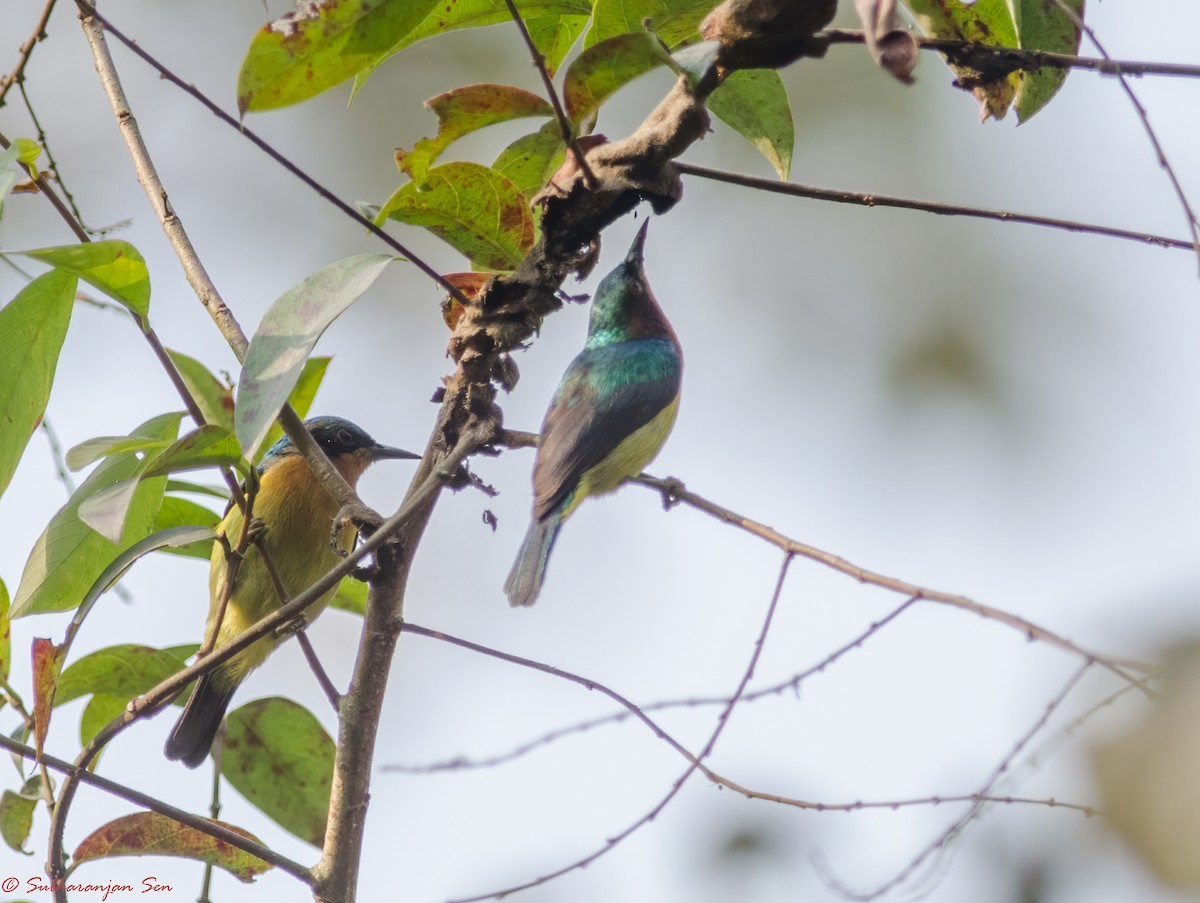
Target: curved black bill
378, 452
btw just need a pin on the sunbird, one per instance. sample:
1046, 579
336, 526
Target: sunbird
297, 513
608, 418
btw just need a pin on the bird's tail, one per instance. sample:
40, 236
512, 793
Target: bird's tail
193, 734
525, 580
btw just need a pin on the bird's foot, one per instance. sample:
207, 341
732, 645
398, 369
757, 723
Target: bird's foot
255, 531
364, 519
292, 627
672, 490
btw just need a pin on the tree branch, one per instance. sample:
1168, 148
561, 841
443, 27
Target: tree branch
868, 199
26, 50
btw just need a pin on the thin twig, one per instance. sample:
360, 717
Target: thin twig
868, 199
90, 11
76, 774
793, 683
318, 670
673, 491
1145, 119
976, 55
564, 124
722, 720
977, 807
17, 74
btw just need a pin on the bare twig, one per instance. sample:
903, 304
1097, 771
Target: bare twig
674, 491
17, 75
980, 802
564, 124
868, 199
1145, 120
793, 683
722, 720
986, 56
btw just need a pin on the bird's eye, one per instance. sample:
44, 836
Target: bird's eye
345, 437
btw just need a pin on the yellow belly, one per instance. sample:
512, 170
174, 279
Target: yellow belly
628, 459
298, 521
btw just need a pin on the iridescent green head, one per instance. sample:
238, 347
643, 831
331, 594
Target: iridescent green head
624, 307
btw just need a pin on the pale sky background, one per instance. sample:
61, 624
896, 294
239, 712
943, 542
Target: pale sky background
1059, 483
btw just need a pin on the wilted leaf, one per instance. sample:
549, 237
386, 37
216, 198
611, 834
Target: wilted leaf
984, 22
300, 399
113, 266
472, 208
754, 103
675, 21
451, 15
465, 110
177, 512
213, 396
69, 556
531, 160
603, 68
46, 663
151, 834
470, 284
319, 46
277, 755
286, 335
32, 329
208, 446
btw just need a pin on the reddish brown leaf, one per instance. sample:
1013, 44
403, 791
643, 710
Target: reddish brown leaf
471, 285
47, 663
148, 833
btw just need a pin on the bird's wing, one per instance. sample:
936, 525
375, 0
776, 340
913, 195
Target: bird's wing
605, 395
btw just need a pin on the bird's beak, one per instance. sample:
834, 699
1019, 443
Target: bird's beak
634, 257
379, 452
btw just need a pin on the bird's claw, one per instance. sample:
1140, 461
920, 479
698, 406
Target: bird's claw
292, 627
362, 518
255, 531
672, 490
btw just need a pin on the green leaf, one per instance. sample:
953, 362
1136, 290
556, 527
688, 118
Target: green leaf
465, 110
8, 176
279, 757
985, 22
151, 834
208, 446
177, 512
675, 21
16, 814
472, 208
113, 266
28, 151
105, 511
754, 103
320, 45
351, 596
300, 399
554, 36
69, 556
532, 159
1043, 27
5, 634
92, 450
213, 396
32, 329
126, 671
216, 492
286, 335
604, 67
99, 712
450, 15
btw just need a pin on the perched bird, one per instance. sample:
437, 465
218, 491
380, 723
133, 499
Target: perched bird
297, 514
610, 415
